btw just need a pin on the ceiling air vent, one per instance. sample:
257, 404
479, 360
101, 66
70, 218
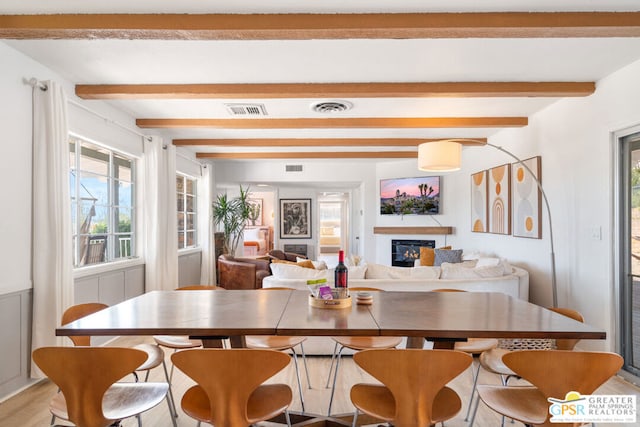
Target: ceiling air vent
293, 168
246, 109
331, 106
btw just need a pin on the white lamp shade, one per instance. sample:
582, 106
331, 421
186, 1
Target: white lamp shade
439, 156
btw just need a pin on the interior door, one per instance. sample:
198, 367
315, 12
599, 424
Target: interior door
333, 226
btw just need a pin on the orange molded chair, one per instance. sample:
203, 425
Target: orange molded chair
229, 390
553, 374
282, 343
413, 391
357, 344
155, 355
87, 377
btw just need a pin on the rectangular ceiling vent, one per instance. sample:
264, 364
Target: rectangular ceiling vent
246, 109
293, 168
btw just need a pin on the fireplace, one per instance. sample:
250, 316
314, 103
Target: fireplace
405, 252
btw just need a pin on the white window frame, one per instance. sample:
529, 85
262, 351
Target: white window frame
112, 206
182, 227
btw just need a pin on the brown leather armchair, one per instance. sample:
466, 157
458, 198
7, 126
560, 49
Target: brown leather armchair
242, 273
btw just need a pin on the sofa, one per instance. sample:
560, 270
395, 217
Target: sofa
241, 273
501, 277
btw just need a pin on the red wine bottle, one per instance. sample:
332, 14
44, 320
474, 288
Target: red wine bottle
341, 272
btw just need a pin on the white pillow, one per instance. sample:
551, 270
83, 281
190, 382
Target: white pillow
425, 272
252, 234
494, 262
456, 271
290, 271
318, 265
357, 272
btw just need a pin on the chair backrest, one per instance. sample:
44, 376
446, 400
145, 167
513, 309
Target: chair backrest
201, 288
567, 343
557, 372
414, 377
229, 376
78, 311
84, 374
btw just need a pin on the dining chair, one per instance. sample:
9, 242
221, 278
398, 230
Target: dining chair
356, 344
155, 354
552, 374
229, 390
413, 391
283, 343
475, 347
90, 394
492, 360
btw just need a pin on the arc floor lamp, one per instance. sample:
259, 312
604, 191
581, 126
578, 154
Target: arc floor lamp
446, 156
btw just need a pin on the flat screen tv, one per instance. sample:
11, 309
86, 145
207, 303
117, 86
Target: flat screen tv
410, 196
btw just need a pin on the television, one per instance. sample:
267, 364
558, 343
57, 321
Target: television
410, 196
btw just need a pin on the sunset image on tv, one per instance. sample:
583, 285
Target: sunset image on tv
410, 196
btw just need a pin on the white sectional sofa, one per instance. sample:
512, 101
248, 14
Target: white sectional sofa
515, 283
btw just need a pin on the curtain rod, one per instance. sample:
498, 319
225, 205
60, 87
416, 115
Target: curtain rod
35, 83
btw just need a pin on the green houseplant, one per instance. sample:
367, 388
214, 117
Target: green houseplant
232, 214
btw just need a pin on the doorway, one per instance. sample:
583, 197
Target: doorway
629, 280
333, 223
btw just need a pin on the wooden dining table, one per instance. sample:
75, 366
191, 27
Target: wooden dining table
441, 317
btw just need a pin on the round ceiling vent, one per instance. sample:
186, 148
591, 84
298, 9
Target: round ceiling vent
331, 106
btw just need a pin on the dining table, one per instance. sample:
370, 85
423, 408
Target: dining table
440, 317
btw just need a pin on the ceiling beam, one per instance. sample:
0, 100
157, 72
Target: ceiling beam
301, 26
312, 155
316, 142
361, 122
336, 90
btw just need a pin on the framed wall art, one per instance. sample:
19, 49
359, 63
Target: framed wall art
479, 206
499, 195
527, 199
295, 218
255, 212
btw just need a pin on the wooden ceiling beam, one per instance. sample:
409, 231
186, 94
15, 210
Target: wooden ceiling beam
336, 90
340, 123
311, 155
317, 142
304, 26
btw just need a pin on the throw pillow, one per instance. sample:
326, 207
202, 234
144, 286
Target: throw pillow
378, 271
447, 255
425, 272
305, 264
282, 270
357, 272
281, 261
318, 265
252, 234
427, 256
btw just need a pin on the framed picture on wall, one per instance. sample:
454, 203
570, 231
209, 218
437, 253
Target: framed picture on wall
479, 206
295, 218
255, 212
527, 199
500, 199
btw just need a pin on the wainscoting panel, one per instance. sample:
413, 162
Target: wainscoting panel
15, 335
189, 269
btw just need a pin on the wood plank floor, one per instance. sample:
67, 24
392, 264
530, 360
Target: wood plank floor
30, 407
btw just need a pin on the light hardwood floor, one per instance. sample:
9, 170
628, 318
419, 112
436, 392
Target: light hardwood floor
30, 407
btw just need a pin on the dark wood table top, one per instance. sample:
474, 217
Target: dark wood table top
442, 315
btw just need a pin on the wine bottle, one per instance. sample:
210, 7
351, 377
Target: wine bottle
341, 272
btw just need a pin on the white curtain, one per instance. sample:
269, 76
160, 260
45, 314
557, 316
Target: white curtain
205, 227
52, 261
160, 216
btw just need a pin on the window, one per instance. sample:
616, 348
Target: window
102, 203
186, 196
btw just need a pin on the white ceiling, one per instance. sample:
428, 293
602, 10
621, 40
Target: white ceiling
329, 61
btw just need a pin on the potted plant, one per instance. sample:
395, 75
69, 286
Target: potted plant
232, 214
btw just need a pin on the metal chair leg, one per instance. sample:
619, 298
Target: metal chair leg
333, 357
354, 423
335, 377
295, 364
306, 369
172, 403
473, 388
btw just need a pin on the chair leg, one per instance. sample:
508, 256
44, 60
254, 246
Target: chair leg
172, 403
139, 418
473, 388
287, 417
295, 363
475, 410
354, 423
335, 377
333, 357
304, 361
